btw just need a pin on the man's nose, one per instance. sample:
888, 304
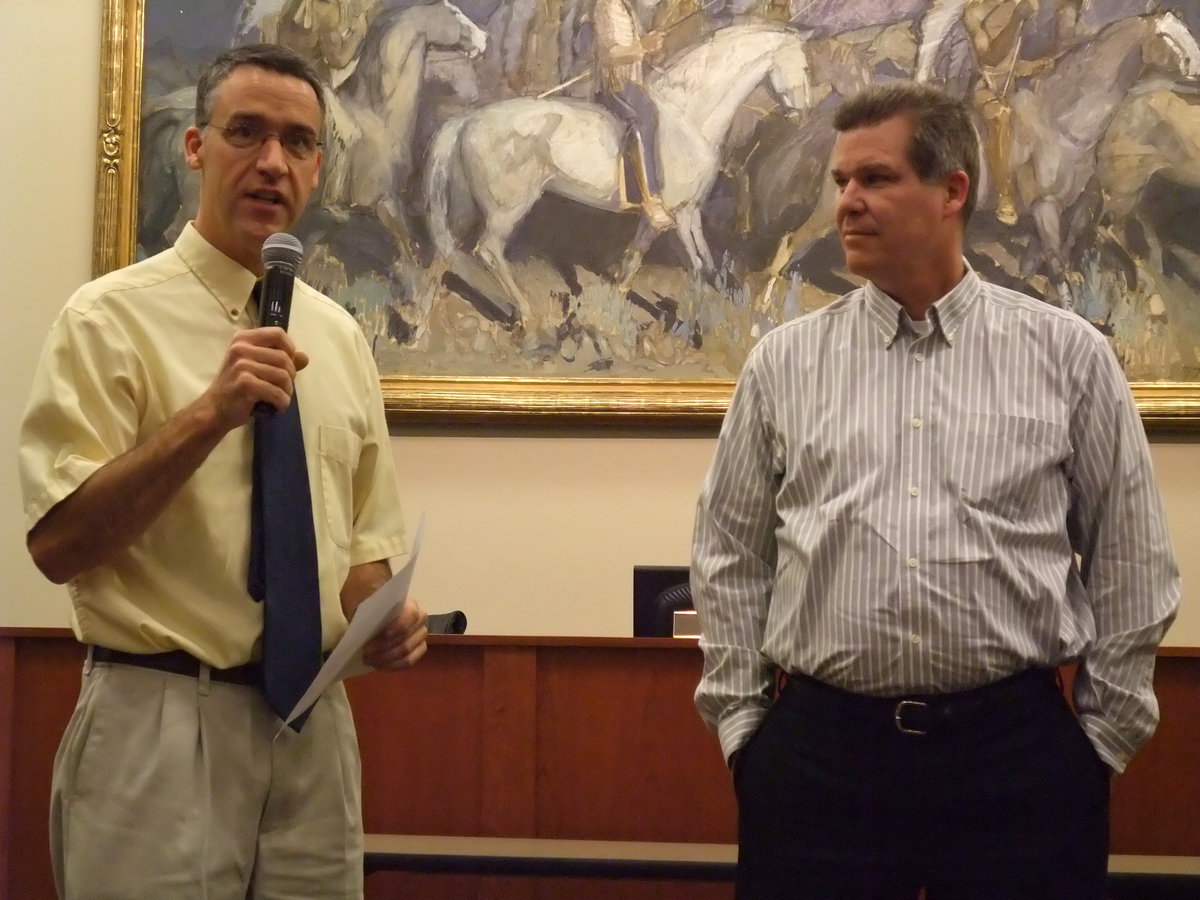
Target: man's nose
271, 155
849, 198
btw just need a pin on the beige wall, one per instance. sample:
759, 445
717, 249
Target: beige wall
529, 532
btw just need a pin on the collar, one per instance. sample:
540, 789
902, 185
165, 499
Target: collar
227, 281
947, 314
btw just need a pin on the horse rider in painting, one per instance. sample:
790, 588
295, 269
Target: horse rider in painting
998, 31
328, 32
620, 48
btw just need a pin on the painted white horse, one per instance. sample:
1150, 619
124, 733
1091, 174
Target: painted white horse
372, 114
1059, 118
1156, 133
501, 158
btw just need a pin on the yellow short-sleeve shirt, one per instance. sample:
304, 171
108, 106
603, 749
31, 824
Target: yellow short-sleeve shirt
127, 352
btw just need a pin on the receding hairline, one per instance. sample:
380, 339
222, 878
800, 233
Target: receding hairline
265, 57
314, 94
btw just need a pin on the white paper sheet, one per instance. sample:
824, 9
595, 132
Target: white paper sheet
372, 614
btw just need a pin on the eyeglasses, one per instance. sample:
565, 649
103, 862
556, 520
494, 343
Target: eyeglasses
250, 134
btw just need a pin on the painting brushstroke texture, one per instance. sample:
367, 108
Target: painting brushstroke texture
480, 212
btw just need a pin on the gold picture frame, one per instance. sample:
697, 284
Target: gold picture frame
442, 399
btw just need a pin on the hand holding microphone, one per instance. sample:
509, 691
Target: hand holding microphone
261, 364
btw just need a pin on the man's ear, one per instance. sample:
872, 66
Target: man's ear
192, 144
957, 186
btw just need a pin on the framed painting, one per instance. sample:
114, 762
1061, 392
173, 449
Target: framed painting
519, 245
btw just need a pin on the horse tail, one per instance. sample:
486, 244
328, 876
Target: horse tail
443, 157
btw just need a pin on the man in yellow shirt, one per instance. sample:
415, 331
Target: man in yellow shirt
173, 779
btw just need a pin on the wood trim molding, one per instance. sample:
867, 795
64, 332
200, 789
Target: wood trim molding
524, 640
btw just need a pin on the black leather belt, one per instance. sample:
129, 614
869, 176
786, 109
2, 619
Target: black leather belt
177, 662
920, 715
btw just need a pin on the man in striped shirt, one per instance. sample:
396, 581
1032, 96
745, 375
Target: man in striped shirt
926, 497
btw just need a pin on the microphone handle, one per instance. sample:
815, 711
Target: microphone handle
274, 309
275, 299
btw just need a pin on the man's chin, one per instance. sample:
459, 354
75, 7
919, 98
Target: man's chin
859, 263
268, 220
257, 232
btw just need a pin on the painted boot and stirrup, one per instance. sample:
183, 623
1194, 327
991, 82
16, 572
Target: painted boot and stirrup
649, 193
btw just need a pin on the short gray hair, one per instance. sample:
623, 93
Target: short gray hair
272, 57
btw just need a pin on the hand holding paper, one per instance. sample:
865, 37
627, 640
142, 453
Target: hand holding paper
371, 616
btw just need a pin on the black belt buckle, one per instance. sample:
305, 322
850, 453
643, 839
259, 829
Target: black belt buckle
904, 711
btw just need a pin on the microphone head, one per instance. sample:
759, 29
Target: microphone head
282, 250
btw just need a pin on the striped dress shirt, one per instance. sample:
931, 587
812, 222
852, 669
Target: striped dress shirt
901, 507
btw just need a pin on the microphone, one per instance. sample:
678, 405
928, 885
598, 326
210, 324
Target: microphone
281, 255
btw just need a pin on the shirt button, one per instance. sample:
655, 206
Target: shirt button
916, 422
912, 562
234, 313
915, 491
919, 357
914, 638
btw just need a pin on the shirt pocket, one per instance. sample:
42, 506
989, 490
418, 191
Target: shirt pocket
339, 450
1009, 466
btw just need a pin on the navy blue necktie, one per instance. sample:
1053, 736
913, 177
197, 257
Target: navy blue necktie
283, 559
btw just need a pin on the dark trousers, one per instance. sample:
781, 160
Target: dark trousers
1003, 796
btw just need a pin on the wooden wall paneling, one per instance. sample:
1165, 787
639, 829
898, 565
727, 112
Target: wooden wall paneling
557, 738
622, 752
1156, 801
502, 717
46, 686
406, 886
419, 736
497, 887
419, 733
415, 886
8, 699
510, 758
510, 751
583, 889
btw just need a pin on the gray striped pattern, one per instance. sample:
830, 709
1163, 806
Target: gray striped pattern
899, 507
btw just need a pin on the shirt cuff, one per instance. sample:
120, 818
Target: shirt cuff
1112, 747
736, 729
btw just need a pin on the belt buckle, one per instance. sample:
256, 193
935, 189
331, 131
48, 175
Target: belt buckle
898, 716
